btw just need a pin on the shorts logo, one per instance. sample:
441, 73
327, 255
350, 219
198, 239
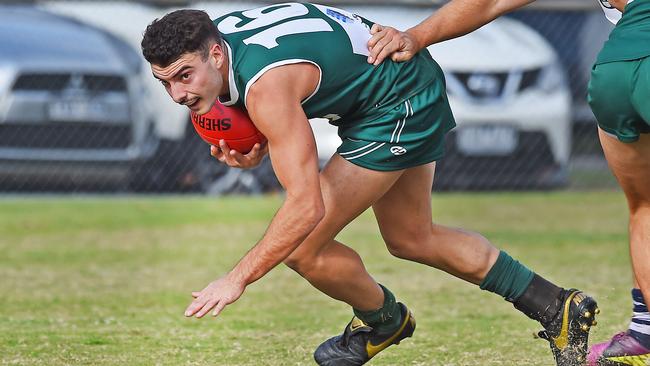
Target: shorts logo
397, 150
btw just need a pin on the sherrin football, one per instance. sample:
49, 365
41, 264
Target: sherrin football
231, 124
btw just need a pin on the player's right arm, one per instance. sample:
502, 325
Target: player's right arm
456, 18
274, 104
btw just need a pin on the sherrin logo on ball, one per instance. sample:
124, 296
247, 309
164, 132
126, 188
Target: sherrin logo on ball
231, 124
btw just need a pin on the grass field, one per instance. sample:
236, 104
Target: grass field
105, 281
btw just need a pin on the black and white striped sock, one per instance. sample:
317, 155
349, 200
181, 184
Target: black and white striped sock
640, 324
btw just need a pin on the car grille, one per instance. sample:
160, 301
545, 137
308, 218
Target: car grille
59, 82
78, 135
493, 85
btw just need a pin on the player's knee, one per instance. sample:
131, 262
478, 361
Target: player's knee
407, 245
301, 263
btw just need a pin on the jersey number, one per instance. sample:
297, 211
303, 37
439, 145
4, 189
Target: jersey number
272, 14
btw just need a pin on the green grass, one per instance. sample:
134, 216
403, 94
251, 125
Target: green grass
105, 281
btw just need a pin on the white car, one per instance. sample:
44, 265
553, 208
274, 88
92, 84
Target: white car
512, 104
511, 101
506, 88
70, 113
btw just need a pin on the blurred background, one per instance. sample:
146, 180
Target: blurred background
81, 113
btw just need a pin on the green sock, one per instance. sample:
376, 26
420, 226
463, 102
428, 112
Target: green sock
385, 319
507, 277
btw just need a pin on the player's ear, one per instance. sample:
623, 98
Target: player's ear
217, 54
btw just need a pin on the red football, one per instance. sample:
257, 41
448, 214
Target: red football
231, 124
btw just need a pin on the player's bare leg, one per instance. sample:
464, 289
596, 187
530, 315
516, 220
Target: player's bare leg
404, 217
405, 222
338, 271
331, 267
630, 163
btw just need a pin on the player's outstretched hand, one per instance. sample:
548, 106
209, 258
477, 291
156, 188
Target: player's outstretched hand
388, 41
216, 295
236, 159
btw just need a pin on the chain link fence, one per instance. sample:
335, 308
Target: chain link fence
80, 112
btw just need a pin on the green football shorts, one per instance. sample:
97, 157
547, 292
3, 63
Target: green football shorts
411, 133
619, 95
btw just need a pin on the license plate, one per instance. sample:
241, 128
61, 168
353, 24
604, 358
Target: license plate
78, 111
487, 140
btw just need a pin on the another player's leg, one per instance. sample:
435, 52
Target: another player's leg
630, 163
404, 217
338, 271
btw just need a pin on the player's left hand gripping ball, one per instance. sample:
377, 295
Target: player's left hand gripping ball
231, 124
233, 137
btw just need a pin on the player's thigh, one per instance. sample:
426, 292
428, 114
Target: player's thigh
630, 163
404, 211
348, 190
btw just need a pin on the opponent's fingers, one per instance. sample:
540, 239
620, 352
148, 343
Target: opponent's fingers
401, 56
376, 28
375, 42
385, 46
196, 294
376, 36
206, 308
385, 52
219, 308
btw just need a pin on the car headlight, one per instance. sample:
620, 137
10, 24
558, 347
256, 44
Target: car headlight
6, 78
552, 78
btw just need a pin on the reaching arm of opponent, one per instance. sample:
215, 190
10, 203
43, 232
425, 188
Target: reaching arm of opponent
274, 104
454, 19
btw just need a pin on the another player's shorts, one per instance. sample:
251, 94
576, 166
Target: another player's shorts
412, 133
619, 96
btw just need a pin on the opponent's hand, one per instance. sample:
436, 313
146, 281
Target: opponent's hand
234, 158
388, 41
216, 295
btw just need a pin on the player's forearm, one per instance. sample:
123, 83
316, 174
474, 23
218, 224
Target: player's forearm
292, 223
459, 17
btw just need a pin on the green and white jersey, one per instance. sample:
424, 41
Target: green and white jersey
630, 39
333, 40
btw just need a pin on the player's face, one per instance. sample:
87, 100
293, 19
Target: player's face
193, 81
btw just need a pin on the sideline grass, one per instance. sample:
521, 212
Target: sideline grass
104, 281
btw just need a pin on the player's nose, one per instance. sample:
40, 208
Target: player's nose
178, 93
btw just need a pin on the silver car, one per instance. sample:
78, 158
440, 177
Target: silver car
70, 104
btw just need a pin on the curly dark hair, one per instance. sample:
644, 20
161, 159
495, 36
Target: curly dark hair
182, 31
